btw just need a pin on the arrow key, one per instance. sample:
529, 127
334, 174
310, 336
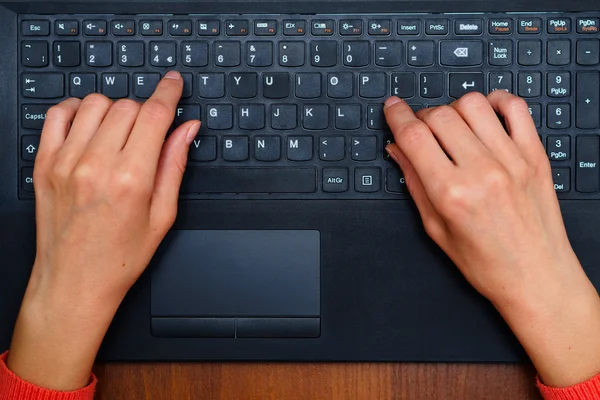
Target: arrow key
364, 148
29, 147
462, 83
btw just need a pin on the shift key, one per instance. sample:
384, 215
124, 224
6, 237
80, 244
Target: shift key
588, 158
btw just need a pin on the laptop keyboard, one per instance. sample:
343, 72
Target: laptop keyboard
292, 105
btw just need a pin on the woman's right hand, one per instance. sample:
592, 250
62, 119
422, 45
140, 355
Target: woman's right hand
487, 199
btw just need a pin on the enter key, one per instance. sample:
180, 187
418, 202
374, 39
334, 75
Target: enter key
588, 158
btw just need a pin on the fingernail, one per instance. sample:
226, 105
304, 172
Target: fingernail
192, 133
173, 75
391, 101
391, 153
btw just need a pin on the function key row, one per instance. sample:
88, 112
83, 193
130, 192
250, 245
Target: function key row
317, 27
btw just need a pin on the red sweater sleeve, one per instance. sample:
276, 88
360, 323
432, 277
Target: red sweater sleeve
14, 388
588, 390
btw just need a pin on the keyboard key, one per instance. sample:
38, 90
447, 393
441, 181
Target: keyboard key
291, 54
394, 181
163, 54
144, 85
335, 180
294, 27
115, 86
81, 85
94, 28
461, 53
462, 83
530, 25
98, 54
243, 85
586, 166
372, 85
267, 148
375, 117
300, 148
123, 27
151, 28
180, 28
501, 81
322, 27
559, 116
43, 86
227, 54
380, 27
131, 54
315, 116
188, 85
34, 54
588, 52
35, 28
308, 85
529, 52
436, 27
284, 116
356, 54
559, 84
559, 148
259, 54
367, 180
421, 53
559, 52
432, 85
562, 179
239, 27
187, 112
530, 84
27, 180
403, 84
588, 25
468, 27
323, 53
559, 25
276, 85
340, 85
351, 27
219, 116
211, 27
203, 149
500, 52
535, 110
249, 180
251, 116
67, 54
347, 116
29, 147
388, 53
587, 96
211, 86
66, 28
195, 54
500, 26
265, 28
364, 148
235, 148
409, 27
34, 115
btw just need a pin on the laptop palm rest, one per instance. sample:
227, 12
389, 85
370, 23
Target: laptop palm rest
237, 284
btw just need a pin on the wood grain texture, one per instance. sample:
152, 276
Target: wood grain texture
294, 381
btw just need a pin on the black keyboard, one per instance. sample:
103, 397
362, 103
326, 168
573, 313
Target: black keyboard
292, 105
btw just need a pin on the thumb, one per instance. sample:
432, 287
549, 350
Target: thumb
169, 174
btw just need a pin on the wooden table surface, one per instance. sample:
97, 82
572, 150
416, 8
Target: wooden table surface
314, 381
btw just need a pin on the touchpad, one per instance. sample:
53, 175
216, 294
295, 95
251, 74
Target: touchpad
237, 274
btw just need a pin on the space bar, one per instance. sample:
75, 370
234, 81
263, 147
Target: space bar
249, 180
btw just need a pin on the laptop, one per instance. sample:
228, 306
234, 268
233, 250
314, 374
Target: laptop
296, 238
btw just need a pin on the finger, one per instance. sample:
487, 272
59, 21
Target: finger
417, 143
169, 174
116, 127
476, 111
91, 113
520, 125
56, 126
154, 120
453, 133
